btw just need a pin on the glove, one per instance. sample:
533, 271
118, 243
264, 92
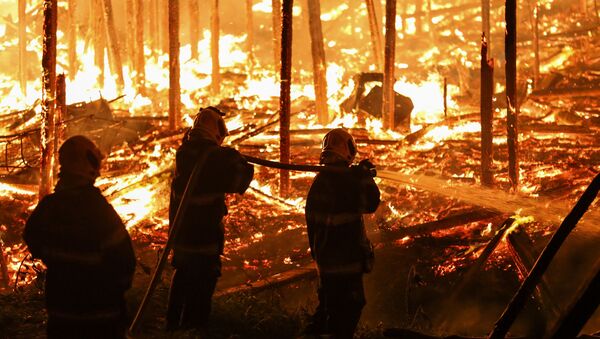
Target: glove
365, 167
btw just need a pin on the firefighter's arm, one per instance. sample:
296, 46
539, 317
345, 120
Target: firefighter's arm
34, 234
239, 171
369, 192
118, 250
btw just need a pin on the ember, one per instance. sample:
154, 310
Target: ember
475, 176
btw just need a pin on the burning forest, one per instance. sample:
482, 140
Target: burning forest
481, 118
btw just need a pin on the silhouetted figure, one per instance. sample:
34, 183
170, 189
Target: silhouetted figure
86, 248
199, 243
337, 236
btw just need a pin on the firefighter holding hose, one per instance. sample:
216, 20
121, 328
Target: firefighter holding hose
199, 242
337, 236
86, 248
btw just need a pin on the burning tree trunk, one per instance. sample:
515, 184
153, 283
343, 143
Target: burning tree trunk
276, 4
512, 109
72, 32
100, 38
250, 32
485, 19
388, 74
22, 46
174, 89
130, 34
163, 19
113, 43
318, 58
153, 25
194, 29
48, 95
140, 63
284, 97
375, 33
487, 114
59, 116
214, 47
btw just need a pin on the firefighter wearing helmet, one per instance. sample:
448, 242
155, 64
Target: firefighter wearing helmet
337, 236
200, 239
85, 247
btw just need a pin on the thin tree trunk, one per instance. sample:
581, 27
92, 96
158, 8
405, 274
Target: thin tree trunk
250, 32
276, 4
48, 95
99, 38
534, 10
376, 40
445, 98
194, 28
22, 46
130, 35
418, 18
140, 63
174, 87
511, 92
163, 13
388, 74
113, 43
59, 116
487, 115
284, 97
318, 58
72, 32
214, 47
153, 25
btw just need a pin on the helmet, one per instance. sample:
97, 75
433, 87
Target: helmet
79, 155
209, 124
338, 146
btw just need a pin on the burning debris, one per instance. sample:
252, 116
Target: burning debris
449, 222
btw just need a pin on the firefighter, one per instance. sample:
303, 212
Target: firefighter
337, 236
200, 239
85, 247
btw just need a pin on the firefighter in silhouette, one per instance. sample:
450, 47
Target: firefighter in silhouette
200, 239
337, 236
86, 248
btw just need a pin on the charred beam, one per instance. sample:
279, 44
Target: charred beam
388, 73
174, 86
318, 58
22, 46
194, 28
376, 39
113, 43
48, 95
487, 115
285, 92
214, 47
541, 265
512, 110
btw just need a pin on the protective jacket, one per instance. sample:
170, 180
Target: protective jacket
224, 171
88, 253
336, 229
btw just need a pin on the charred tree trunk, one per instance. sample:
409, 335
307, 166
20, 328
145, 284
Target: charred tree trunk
22, 46
388, 73
59, 116
113, 43
48, 95
485, 19
100, 38
214, 47
140, 61
153, 25
318, 58
250, 32
72, 36
194, 28
375, 33
174, 89
130, 34
285, 92
487, 114
445, 98
510, 50
163, 15
276, 4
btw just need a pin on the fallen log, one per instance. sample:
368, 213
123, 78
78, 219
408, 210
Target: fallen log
442, 224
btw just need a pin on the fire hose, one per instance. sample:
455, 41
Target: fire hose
181, 209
